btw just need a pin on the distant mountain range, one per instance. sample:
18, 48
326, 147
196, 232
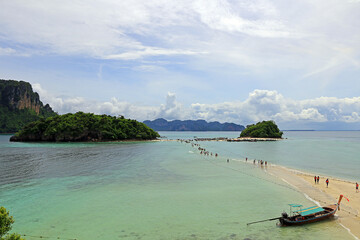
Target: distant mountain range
161, 124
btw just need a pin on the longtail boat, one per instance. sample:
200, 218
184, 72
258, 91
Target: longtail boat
301, 216
308, 215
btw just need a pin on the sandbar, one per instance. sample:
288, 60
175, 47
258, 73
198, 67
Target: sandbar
348, 216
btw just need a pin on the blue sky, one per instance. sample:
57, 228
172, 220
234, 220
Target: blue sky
295, 62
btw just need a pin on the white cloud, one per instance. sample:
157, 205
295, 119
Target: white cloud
151, 52
260, 105
220, 15
12, 52
259, 37
7, 51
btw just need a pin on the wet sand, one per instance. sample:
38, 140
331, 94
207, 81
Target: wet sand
348, 216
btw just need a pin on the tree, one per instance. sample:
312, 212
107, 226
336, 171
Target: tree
264, 129
84, 127
5, 226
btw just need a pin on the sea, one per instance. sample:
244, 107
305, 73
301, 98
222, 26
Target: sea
167, 189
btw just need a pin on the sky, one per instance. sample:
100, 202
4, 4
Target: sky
295, 62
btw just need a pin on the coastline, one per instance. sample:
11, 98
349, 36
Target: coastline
349, 213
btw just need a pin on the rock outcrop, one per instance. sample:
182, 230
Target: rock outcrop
19, 95
19, 104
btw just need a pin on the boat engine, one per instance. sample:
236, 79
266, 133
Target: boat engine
284, 215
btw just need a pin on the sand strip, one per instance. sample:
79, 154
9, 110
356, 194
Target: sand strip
349, 213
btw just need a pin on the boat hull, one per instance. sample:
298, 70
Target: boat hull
301, 220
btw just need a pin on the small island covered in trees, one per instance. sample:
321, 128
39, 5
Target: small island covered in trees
83, 127
264, 129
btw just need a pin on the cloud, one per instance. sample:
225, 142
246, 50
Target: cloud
172, 109
11, 52
151, 52
122, 29
260, 105
259, 37
7, 51
220, 15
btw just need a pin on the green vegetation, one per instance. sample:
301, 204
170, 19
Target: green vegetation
5, 226
12, 121
84, 127
264, 129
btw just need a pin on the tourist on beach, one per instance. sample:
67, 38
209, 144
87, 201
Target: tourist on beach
254, 161
246, 159
318, 179
357, 187
227, 160
315, 179
265, 163
327, 182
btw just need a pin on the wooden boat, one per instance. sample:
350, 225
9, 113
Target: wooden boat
302, 216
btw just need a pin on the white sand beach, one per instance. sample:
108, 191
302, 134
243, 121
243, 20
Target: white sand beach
348, 216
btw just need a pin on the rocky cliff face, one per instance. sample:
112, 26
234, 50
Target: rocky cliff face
19, 104
19, 95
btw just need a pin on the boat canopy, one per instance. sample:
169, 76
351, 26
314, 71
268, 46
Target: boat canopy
310, 210
295, 205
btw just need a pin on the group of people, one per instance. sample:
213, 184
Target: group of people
317, 179
206, 153
202, 151
260, 162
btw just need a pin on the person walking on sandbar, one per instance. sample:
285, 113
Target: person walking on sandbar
318, 179
315, 179
357, 187
327, 182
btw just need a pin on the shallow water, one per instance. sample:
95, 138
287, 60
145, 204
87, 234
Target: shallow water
149, 190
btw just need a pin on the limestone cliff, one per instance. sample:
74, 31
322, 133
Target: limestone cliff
19, 104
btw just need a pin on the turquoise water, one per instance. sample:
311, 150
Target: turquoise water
334, 153
162, 190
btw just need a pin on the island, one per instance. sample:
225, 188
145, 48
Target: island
264, 129
161, 124
84, 127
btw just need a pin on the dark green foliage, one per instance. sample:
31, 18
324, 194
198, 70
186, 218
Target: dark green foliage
84, 127
264, 129
13, 236
13, 120
5, 221
5, 226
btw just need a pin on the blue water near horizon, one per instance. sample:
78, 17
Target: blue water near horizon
166, 190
